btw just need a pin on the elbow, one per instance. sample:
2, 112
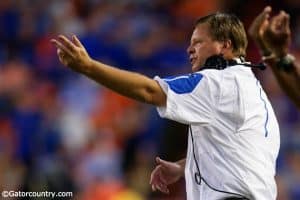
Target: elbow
156, 98
151, 93
146, 97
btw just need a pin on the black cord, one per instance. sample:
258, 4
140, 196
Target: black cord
197, 174
261, 66
199, 178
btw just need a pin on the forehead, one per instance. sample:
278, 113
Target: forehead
201, 31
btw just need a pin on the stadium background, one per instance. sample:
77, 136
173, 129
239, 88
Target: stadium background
60, 131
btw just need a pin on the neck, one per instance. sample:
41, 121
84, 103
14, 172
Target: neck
229, 56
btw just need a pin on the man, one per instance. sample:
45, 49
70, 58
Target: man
273, 38
233, 133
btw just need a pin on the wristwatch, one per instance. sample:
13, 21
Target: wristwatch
286, 63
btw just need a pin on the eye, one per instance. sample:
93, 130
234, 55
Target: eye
197, 42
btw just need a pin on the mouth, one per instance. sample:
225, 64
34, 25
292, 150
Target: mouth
192, 60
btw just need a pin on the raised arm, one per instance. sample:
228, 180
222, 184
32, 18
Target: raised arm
73, 54
273, 38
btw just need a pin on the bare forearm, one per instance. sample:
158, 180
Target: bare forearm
127, 83
289, 81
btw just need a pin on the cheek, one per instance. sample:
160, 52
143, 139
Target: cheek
206, 52
212, 50
203, 53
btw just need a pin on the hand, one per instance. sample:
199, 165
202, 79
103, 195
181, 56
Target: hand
164, 174
278, 34
72, 53
258, 28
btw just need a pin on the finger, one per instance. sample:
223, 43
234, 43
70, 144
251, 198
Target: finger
167, 190
151, 178
163, 163
159, 178
277, 19
157, 182
259, 23
163, 188
153, 188
60, 54
279, 22
67, 43
154, 174
286, 22
60, 46
268, 9
157, 187
263, 15
76, 41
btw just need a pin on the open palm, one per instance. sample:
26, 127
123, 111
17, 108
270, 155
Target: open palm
164, 174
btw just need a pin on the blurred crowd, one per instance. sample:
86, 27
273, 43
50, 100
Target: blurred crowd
60, 131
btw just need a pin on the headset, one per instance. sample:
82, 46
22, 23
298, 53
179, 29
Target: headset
219, 62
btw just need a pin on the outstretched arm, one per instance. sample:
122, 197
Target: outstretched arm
273, 38
72, 54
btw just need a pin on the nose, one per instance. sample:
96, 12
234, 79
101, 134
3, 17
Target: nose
190, 50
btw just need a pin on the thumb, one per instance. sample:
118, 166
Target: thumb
158, 160
163, 163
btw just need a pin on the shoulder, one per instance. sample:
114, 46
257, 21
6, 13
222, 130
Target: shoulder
213, 76
184, 83
187, 83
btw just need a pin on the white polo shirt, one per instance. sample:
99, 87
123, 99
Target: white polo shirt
233, 137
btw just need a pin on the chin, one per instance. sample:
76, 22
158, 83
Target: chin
195, 68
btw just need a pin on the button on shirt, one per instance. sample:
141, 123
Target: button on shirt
234, 131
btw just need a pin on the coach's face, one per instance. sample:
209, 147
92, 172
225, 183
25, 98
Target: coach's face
202, 46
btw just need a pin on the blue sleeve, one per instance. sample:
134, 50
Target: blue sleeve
188, 98
184, 84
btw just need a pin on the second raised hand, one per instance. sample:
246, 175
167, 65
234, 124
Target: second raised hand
258, 27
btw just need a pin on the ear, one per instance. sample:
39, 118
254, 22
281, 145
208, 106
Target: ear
227, 46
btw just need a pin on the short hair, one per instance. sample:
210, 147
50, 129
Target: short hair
224, 27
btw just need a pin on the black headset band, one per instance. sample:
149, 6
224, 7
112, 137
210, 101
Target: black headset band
219, 62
